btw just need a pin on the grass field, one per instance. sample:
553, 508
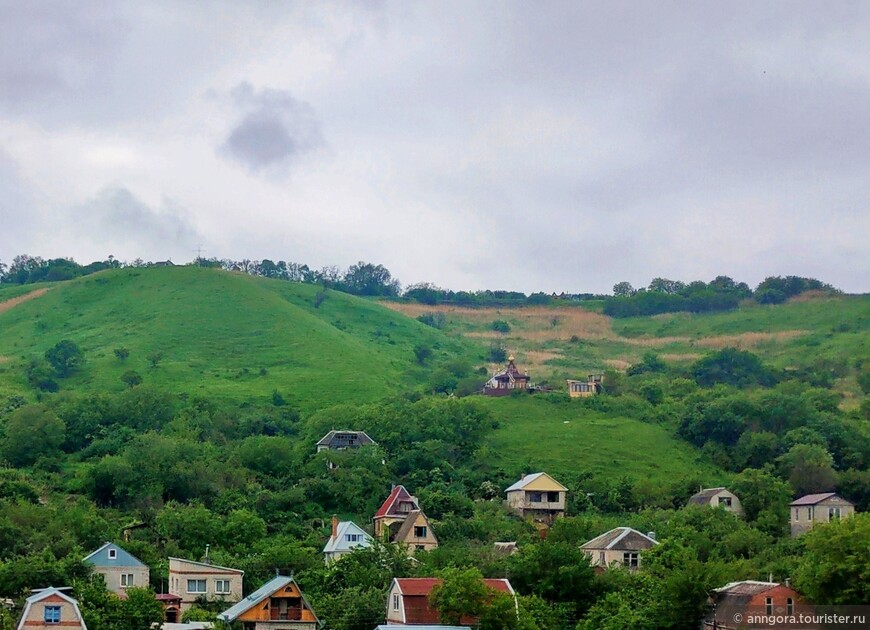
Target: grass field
223, 334
564, 438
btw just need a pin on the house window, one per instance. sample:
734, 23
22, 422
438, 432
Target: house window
768, 606
126, 580
552, 497
535, 497
222, 587
113, 554
395, 602
196, 586
789, 606
809, 513
601, 561
631, 559
420, 531
833, 513
797, 514
726, 501
51, 614
419, 547
352, 537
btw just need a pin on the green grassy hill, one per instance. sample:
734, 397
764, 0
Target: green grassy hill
223, 334
565, 438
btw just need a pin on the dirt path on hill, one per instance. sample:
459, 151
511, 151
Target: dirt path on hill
13, 302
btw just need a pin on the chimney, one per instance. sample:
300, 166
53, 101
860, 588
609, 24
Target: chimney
651, 535
788, 582
523, 476
334, 526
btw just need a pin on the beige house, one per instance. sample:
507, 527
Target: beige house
120, 570
621, 546
51, 608
192, 580
718, 497
537, 496
812, 509
584, 389
400, 520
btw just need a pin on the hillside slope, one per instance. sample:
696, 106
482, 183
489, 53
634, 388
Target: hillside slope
218, 333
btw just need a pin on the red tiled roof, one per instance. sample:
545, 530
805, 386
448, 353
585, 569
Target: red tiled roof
398, 494
423, 586
166, 597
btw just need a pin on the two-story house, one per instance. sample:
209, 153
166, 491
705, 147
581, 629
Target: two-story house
408, 600
400, 520
621, 546
277, 605
346, 536
120, 569
192, 580
537, 496
736, 602
813, 509
50, 608
718, 497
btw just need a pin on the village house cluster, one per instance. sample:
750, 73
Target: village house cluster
280, 604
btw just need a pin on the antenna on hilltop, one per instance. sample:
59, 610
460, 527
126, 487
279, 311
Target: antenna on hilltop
199, 254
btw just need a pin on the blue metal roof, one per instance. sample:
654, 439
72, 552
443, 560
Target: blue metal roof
100, 557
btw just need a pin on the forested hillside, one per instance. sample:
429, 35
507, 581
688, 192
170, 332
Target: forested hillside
182, 405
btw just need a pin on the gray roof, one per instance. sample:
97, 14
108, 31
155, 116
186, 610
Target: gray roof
522, 483
275, 584
340, 438
100, 557
746, 587
340, 542
621, 538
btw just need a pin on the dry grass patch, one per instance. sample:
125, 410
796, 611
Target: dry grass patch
617, 364
688, 356
748, 340
13, 302
535, 322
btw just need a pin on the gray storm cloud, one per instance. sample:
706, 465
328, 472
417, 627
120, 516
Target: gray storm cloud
125, 221
275, 130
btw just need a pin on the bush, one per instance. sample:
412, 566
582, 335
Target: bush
501, 326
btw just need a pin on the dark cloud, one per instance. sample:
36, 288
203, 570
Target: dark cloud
276, 130
122, 222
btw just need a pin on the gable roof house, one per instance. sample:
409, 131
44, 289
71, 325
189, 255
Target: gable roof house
718, 497
346, 536
813, 509
50, 608
192, 580
408, 601
584, 389
740, 600
504, 382
277, 605
400, 520
343, 440
119, 569
621, 545
537, 496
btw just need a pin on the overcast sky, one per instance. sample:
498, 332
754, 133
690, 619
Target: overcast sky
556, 146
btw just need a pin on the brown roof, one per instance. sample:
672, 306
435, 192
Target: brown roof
703, 497
423, 586
812, 499
746, 587
408, 524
